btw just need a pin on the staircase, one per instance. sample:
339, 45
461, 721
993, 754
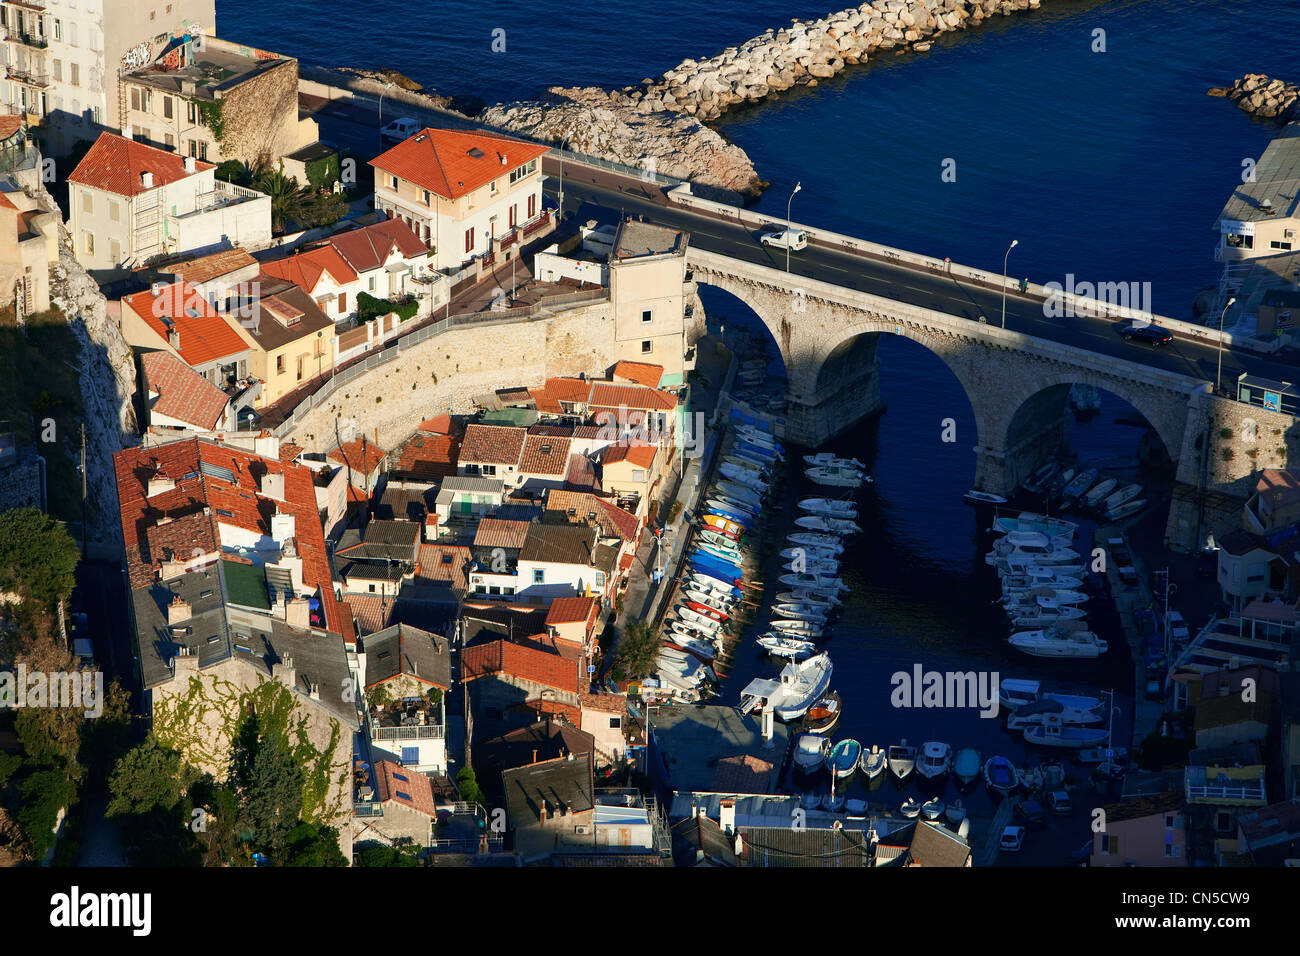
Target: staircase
146, 238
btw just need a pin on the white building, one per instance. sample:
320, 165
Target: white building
131, 203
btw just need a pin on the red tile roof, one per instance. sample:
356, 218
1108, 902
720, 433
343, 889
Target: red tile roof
204, 334
196, 491
440, 160
183, 393
425, 456
493, 444
570, 610
547, 398
643, 373
9, 125
520, 661
638, 453
115, 163
431, 565
369, 247
605, 703
500, 533
544, 455
405, 786
613, 519
611, 395
206, 268
438, 425
304, 269
363, 457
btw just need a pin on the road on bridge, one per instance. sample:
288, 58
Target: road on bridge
603, 196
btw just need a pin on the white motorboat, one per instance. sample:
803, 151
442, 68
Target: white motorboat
706, 624
729, 555
1046, 617
977, 497
802, 684
707, 582
830, 507
816, 599
1033, 539
826, 567
722, 503
934, 760
748, 460
737, 492
710, 599
813, 582
1017, 563
828, 542
824, 458
1126, 509
901, 759
932, 809
718, 539
743, 476
1045, 577
1080, 483
810, 752
782, 646
1045, 597
1099, 491
1014, 692
802, 612
872, 762
704, 651
756, 437
1031, 521
1127, 493
1031, 715
800, 629
808, 554
910, 808
1044, 573
1049, 553
835, 477
1059, 641
681, 632
1054, 733
820, 523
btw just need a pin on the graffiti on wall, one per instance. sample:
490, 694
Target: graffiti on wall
136, 57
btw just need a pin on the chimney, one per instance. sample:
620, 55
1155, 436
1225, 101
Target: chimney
297, 612
178, 611
534, 760
272, 485
158, 484
146, 179
541, 813
189, 165
174, 338
727, 815
128, 132
740, 844
504, 162
285, 672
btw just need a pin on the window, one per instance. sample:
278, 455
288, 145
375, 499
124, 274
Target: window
279, 368
115, 251
1234, 241
600, 580
114, 210
300, 358
392, 182
167, 107
191, 112
96, 116
410, 757
1275, 244
194, 150
508, 591
647, 315
87, 203
203, 150
539, 576
72, 34
58, 71
372, 283
489, 471
170, 140
427, 197
343, 303
1169, 821
527, 169
532, 206
638, 475
469, 240
1109, 846
513, 210
494, 589
1223, 821
88, 243
58, 31
647, 347
492, 188
74, 74
615, 723
1172, 851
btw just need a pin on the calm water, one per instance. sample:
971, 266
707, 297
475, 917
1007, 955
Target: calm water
1109, 165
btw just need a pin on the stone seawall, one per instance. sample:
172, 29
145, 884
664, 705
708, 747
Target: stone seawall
1261, 95
446, 372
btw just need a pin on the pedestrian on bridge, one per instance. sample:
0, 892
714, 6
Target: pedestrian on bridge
1024, 285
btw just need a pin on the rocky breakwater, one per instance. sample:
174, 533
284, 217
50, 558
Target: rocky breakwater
592, 121
1261, 95
806, 52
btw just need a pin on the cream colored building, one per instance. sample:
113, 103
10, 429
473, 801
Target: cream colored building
647, 281
63, 57
29, 243
464, 194
1263, 216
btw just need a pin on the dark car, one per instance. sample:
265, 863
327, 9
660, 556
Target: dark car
1150, 334
1032, 812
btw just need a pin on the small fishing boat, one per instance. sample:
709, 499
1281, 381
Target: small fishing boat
932, 809
706, 624
830, 507
1033, 539
1080, 483
782, 646
977, 497
813, 582
744, 477
804, 630
808, 554
809, 539
732, 558
723, 525
707, 611
1044, 597
756, 437
835, 477
910, 808
934, 760
1016, 692
966, 765
1052, 732
1041, 617
873, 762
901, 759
1039, 576
1127, 493
955, 813
833, 802
810, 752
1000, 775
740, 493
730, 506
707, 582
1030, 521
1031, 715
801, 685
1059, 641
699, 648
824, 715
1099, 491
1124, 510
855, 807
750, 448
824, 567
682, 632
741, 460
1036, 482
821, 523
720, 540
843, 758
828, 458
708, 599
801, 612
802, 596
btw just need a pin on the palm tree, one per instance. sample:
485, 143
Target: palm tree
286, 198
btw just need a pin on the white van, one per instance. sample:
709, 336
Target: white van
793, 239
399, 130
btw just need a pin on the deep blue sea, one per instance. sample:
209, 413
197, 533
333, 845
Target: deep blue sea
1109, 165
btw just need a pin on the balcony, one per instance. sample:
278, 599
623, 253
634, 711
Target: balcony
36, 42
1214, 785
38, 5
28, 78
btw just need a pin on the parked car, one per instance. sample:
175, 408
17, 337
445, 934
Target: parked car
1178, 627
1149, 334
1013, 838
399, 129
1155, 688
1031, 811
1059, 801
794, 239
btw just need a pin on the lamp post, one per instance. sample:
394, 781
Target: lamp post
1218, 375
1014, 243
797, 186
381, 107
564, 140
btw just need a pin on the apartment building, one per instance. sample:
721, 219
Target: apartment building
63, 58
1262, 217
464, 194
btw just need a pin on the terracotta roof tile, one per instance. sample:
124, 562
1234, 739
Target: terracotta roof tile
204, 334
207, 268
425, 456
115, 164
520, 661
638, 453
544, 455
304, 269
402, 785
499, 533
611, 395
613, 519
493, 444
360, 456
570, 610
438, 425
433, 565
440, 160
643, 373
369, 247
183, 394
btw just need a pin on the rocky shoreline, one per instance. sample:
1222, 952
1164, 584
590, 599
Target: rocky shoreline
660, 124
1261, 95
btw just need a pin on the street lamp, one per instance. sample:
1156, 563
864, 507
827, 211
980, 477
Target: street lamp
1014, 243
1218, 375
381, 107
561, 151
797, 186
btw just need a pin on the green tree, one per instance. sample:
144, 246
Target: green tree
286, 198
468, 786
145, 779
310, 844
37, 556
44, 794
269, 783
377, 854
321, 208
